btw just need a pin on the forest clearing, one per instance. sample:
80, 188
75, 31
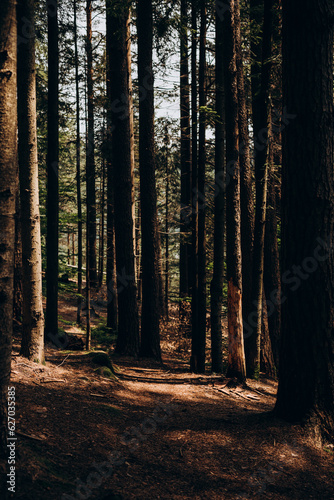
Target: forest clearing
173, 434
166, 249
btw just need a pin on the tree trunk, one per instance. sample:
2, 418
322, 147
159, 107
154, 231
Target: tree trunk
306, 375
132, 133
78, 172
219, 209
18, 297
90, 154
111, 249
194, 190
101, 236
261, 128
185, 155
150, 314
128, 327
51, 316
246, 185
167, 227
33, 317
198, 358
272, 275
236, 357
267, 362
8, 189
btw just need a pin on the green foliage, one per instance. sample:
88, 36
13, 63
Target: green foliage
103, 335
209, 115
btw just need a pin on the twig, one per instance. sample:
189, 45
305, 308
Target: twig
30, 436
43, 381
63, 361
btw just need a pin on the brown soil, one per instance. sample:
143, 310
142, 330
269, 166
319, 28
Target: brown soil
155, 431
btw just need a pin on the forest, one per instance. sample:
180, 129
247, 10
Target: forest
166, 249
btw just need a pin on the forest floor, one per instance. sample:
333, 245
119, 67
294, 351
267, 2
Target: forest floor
154, 431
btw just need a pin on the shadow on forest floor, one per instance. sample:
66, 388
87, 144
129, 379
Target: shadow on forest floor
168, 434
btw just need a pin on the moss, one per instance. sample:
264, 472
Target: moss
101, 358
105, 372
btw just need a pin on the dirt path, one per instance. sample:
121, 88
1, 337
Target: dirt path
156, 432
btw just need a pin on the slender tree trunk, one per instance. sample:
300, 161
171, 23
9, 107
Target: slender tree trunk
51, 316
88, 285
246, 185
90, 153
306, 375
128, 327
132, 134
150, 314
272, 275
194, 191
68, 247
33, 317
8, 189
236, 358
18, 297
73, 248
261, 126
167, 227
111, 248
101, 238
138, 253
219, 209
267, 362
199, 354
78, 166
185, 153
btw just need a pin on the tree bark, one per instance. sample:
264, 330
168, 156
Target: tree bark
272, 274
78, 164
219, 209
111, 244
306, 375
52, 240
185, 155
261, 128
236, 357
194, 190
128, 327
246, 184
18, 297
32, 345
8, 190
150, 313
90, 154
167, 226
198, 358
101, 235
267, 363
